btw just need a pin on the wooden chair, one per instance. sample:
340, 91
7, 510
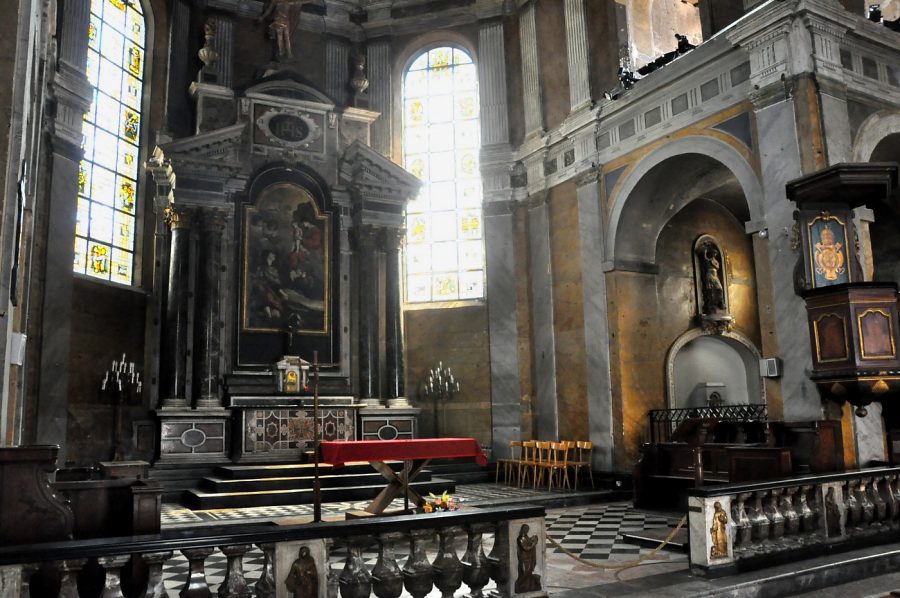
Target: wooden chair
543, 459
582, 460
527, 462
558, 465
509, 464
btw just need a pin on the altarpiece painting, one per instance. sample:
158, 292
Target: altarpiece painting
287, 257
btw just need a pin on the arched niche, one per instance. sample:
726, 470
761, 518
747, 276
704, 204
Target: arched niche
698, 362
667, 180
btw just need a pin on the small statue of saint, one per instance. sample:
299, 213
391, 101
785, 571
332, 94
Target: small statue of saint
285, 17
713, 289
303, 579
526, 554
719, 532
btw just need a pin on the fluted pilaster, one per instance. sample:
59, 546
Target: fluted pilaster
531, 82
492, 84
379, 73
337, 55
577, 53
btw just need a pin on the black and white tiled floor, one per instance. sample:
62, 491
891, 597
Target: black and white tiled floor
592, 532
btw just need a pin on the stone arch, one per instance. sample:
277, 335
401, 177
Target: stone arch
734, 339
688, 168
874, 130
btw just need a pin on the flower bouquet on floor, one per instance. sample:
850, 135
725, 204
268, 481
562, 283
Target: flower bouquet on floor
437, 504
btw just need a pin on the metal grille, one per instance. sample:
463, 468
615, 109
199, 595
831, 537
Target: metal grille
664, 421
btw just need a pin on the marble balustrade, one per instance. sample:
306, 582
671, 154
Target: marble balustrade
443, 550
743, 526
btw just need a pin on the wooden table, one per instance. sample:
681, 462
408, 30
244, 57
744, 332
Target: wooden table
415, 454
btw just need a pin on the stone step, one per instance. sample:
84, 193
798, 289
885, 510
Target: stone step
200, 500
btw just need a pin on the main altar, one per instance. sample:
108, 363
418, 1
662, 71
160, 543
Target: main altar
278, 229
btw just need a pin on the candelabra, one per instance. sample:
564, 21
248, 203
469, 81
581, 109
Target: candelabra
440, 386
121, 383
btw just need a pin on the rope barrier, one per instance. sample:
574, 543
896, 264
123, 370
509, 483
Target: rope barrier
623, 564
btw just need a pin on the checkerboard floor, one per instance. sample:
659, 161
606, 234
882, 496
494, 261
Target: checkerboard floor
593, 533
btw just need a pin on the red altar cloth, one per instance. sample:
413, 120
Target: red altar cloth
337, 453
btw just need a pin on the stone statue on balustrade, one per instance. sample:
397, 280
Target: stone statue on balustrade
303, 579
526, 553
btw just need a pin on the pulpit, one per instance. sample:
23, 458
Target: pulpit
854, 333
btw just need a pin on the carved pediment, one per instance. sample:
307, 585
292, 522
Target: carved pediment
212, 150
376, 177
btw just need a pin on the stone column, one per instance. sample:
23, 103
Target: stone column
379, 74
544, 341
337, 69
367, 247
599, 384
175, 333
208, 351
177, 119
531, 82
577, 54
73, 95
393, 315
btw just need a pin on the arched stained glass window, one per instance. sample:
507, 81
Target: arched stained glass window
441, 138
108, 174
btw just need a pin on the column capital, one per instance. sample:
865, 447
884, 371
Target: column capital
367, 236
178, 217
214, 220
393, 238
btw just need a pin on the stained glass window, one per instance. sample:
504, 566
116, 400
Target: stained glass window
108, 174
444, 256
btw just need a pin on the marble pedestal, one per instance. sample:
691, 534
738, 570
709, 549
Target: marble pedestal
388, 423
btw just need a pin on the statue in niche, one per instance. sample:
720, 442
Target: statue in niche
713, 289
303, 579
719, 532
710, 284
285, 18
526, 554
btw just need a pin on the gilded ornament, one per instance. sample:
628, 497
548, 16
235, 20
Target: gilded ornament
880, 387
829, 255
838, 389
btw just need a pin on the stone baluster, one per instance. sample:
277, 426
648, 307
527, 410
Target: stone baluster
759, 523
25, 573
265, 586
196, 586
865, 504
851, 501
417, 571
742, 528
476, 567
894, 490
791, 517
498, 557
776, 519
355, 580
155, 561
234, 585
69, 569
332, 583
112, 585
875, 496
448, 570
807, 516
887, 495
387, 579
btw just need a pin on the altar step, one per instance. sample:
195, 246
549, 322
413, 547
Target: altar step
242, 486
